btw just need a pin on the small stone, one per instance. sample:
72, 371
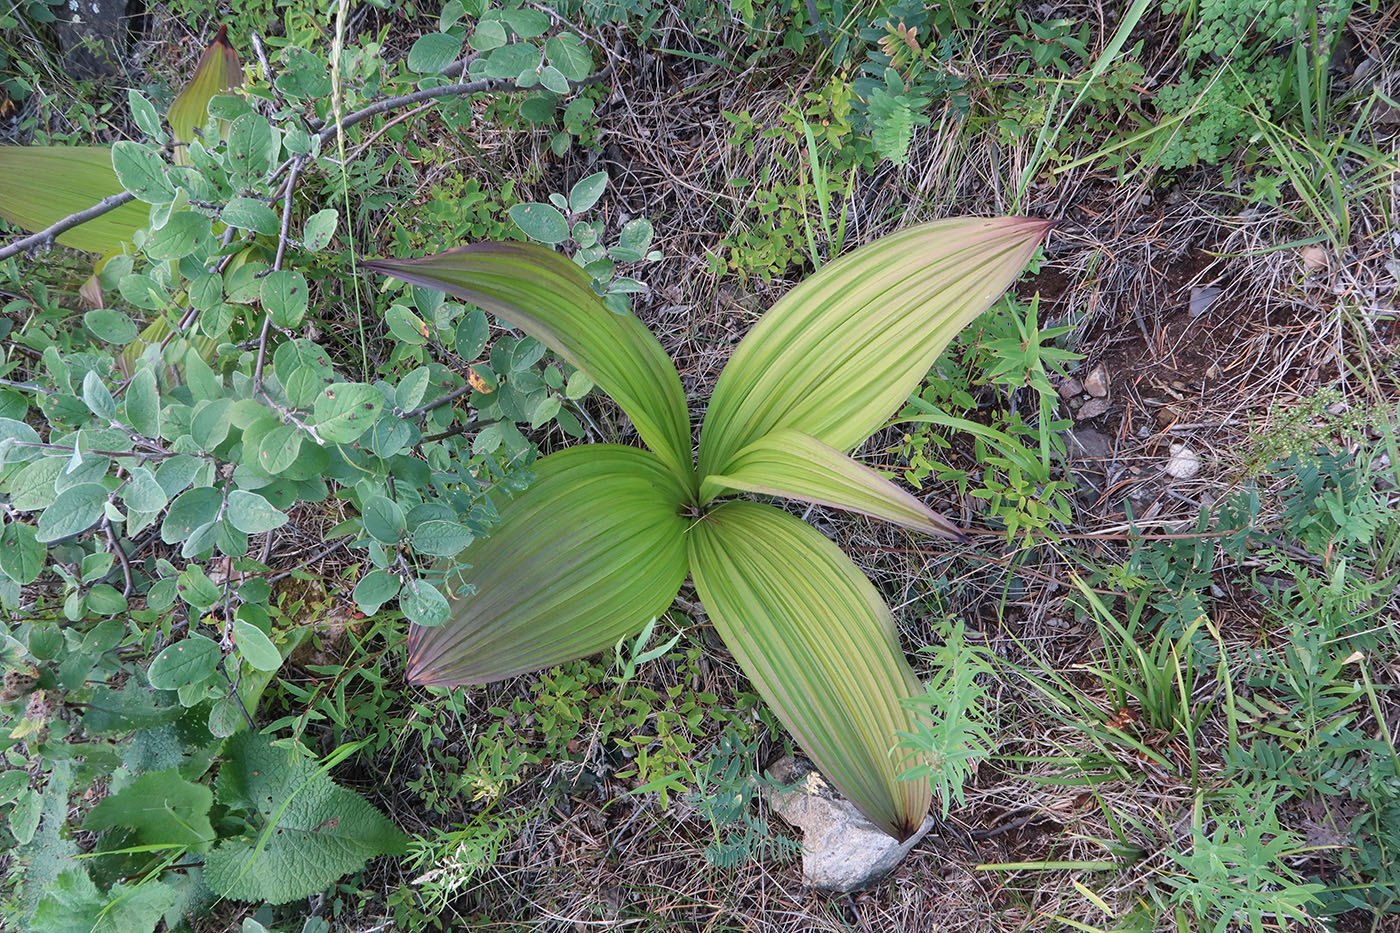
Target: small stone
1314, 259
1071, 387
1096, 383
1202, 299
842, 851
1092, 409
1183, 462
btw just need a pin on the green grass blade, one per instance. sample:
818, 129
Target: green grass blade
585, 556
841, 352
791, 464
549, 298
819, 645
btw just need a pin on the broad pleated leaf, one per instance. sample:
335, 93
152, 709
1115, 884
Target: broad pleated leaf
794, 465
218, 72
549, 298
44, 184
837, 355
591, 552
819, 644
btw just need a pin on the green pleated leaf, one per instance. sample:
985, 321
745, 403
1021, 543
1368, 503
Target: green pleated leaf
588, 554
549, 298
817, 641
62, 180
837, 355
794, 465
218, 72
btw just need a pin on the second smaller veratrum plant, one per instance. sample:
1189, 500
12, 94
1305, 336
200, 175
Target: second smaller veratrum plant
601, 542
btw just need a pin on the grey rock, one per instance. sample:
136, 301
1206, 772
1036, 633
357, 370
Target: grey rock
842, 851
1093, 408
1071, 387
93, 34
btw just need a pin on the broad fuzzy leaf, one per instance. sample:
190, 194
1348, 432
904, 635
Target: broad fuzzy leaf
218, 72
549, 298
162, 808
310, 831
794, 465
588, 554
837, 355
62, 180
819, 644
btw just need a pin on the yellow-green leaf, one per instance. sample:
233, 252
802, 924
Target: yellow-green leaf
549, 298
819, 644
837, 355
218, 72
588, 554
63, 180
794, 465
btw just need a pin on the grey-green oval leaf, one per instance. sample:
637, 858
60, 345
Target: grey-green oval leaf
433, 52
255, 647
111, 326
441, 538
76, 509
184, 663
374, 590
586, 192
422, 604
284, 297
540, 222
251, 214
251, 514
143, 403
345, 410
141, 171
319, 229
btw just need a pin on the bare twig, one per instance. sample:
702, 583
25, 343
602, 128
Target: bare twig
439, 402
44, 238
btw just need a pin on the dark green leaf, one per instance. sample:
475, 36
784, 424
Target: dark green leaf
441, 538
312, 831
383, 519
472, 333
162, 808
